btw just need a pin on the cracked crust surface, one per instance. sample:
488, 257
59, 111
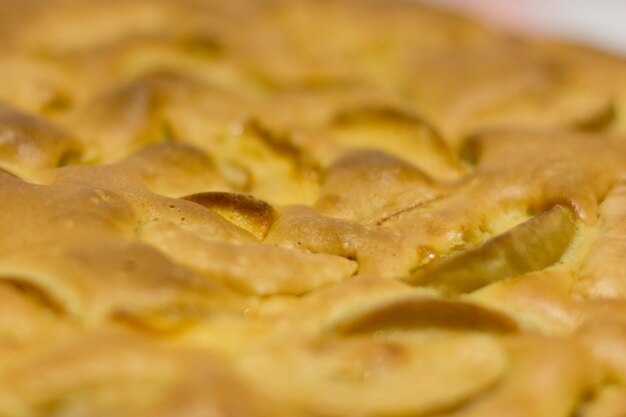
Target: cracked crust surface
306, 208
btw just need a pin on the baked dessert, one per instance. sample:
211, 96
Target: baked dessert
322, 208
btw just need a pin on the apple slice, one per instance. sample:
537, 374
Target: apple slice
395, 133
416, 312
530, 246
250, 213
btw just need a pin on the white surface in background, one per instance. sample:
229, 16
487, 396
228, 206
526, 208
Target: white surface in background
597, 22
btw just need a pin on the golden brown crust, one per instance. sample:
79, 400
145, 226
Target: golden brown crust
306, 208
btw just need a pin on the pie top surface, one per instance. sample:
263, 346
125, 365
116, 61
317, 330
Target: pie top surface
307, 208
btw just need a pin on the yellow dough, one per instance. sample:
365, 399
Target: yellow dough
306, 208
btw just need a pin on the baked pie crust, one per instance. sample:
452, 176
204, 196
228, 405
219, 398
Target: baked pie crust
321, 208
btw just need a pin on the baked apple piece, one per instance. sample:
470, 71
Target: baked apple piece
530, 246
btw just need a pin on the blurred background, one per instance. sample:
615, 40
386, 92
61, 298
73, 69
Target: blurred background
596, 22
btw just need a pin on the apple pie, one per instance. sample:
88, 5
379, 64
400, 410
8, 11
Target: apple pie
306, 208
